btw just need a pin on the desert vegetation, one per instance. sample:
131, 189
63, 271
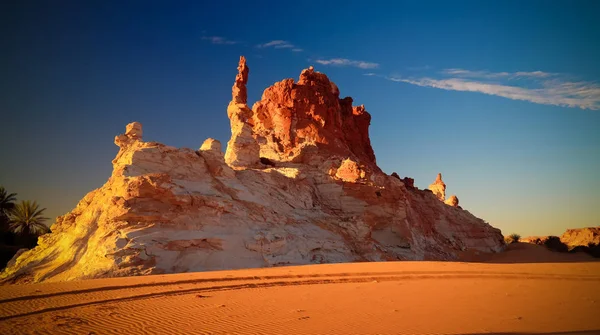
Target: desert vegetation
21, 223
512, 238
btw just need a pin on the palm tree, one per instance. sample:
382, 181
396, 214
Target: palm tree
26, 219
7, 203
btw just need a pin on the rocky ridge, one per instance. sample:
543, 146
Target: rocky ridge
581, 237
572, 240
298, 184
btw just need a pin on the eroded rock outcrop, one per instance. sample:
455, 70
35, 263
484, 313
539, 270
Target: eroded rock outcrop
316, 196
242, 148
452, 201
409, 182
306, 122
576, 240
439, 188
581, 237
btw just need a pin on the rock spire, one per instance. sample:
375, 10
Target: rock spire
242, 148
439, 188
238, 92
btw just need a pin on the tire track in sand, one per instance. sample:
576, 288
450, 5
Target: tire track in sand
140, 291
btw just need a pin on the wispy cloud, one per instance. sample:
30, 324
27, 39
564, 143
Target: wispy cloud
556, 91
297, 50
219, 40
493, 75
277, 44
347, 62
534, 74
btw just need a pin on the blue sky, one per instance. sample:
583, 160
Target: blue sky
501, 97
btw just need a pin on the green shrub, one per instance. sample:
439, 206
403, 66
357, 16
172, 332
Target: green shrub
512, 238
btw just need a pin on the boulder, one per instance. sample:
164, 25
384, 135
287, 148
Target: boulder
452, 201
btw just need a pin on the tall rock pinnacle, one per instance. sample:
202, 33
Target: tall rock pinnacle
242, 148
438, 188
238, 92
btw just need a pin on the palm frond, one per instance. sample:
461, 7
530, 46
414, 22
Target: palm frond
26, 218
7, 200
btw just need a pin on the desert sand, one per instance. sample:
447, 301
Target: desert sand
501, 294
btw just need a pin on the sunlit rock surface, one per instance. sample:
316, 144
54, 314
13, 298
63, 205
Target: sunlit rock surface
298, 184
452, 201
439, 188
581, 237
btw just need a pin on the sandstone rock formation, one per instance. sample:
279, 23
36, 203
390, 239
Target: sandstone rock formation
409, 182
239, 93
452, 201
439, 188
306, 122
573, 240
320, 199
242, 149
581, 237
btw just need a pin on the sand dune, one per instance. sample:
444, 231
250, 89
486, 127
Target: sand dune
499, 296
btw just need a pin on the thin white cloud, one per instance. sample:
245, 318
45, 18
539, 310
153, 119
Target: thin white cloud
347, 62
218, 40
536, 74
277, 44
497, 75
297, 50
584, 95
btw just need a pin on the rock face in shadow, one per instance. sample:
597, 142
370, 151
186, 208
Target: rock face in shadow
298, 184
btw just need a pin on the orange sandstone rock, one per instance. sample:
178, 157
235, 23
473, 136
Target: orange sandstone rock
581, 237
438, 188
317, 197
296, 121
452, 201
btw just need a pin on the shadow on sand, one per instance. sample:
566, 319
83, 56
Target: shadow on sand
529, 253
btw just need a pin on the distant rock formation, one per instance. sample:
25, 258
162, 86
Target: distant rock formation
439, 188
581, 237
298, 184
573, 240
452, 201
